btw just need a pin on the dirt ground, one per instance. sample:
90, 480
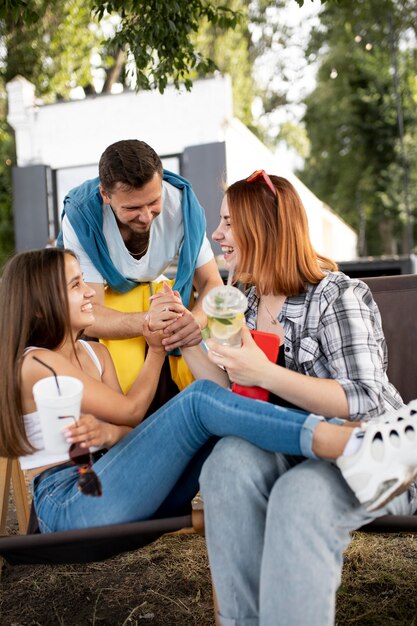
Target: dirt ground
168, 584
165, 583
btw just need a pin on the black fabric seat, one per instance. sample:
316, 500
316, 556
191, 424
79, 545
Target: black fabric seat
396, 297
84, 546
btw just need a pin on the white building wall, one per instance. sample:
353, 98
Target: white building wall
74, 134
77, 132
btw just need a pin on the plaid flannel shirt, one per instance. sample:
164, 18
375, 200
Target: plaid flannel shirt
334, 330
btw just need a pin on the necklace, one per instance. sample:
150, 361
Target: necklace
141, 253
273, 319
132, 247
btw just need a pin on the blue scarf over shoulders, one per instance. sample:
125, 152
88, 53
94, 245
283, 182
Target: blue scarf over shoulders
83, 206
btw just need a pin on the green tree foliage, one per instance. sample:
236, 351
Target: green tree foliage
270, 37
6, 222
230, 52
53, 50
157, 35
51, 45
356, 162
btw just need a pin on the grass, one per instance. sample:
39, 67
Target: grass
165, 583
379, 581
168, 584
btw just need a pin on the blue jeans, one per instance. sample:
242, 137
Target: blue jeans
276, 530
140, 471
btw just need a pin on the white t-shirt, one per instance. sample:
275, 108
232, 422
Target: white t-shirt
166, 237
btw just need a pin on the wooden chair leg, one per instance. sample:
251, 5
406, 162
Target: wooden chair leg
10, 473
5, 478
21, 499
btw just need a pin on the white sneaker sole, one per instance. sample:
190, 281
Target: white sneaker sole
391, 489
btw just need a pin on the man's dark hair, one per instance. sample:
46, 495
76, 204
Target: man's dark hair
130, 162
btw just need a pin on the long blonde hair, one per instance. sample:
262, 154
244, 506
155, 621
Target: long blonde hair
33, 312
276, 254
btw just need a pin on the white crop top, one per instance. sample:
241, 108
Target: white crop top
33, 428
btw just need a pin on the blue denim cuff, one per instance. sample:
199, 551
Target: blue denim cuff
336, 420
306, 436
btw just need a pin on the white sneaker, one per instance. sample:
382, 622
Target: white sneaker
397, 415
386, 462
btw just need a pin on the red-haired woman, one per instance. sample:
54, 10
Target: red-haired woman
277, 525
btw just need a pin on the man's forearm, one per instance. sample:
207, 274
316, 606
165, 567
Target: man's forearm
112, 324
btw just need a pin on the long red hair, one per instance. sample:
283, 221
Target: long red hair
276, 254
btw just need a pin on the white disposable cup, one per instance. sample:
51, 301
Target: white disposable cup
57, 409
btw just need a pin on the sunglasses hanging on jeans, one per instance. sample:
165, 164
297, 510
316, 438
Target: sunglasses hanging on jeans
88, 482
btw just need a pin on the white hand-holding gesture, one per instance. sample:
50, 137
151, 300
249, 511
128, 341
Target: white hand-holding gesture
244, 365
167, 313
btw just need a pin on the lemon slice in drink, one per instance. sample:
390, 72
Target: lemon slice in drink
225, 328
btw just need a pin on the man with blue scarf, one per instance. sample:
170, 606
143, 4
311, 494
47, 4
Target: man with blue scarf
127, 226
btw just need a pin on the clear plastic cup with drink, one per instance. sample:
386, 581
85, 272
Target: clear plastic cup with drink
225, 307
